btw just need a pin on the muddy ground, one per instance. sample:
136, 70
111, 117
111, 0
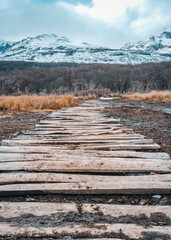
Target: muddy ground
150, 119
149, 122
14, 123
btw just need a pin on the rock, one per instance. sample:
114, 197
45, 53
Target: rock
164, 201
143, 202
156, 196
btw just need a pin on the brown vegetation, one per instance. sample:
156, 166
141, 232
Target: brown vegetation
35, 102
89, 96
164, 96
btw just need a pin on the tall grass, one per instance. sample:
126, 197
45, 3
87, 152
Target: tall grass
164, 96
36, 102
89, 96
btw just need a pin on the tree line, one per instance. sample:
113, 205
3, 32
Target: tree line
27, 78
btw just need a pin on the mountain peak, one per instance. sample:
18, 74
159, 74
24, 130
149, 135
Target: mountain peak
154, 44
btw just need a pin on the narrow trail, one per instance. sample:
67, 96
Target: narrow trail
81, 150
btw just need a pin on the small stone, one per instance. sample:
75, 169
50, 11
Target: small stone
98, 200
120, 199
156, 196
164, 201
110, 200
143, 202
153, 173
30, 199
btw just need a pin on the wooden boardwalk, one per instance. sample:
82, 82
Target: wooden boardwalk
82, 151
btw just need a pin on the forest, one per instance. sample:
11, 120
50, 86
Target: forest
80, 79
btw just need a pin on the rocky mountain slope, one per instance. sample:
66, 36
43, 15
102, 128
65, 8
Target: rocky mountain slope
52, 48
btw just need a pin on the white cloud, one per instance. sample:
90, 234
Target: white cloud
108, 11
110, 23
151, 22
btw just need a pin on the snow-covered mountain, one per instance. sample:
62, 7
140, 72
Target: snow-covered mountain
155, 44
4, 45
52, 48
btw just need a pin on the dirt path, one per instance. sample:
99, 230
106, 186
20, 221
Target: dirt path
80, 174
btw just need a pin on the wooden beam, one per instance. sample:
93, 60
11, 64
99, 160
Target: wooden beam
91, 143
55, 155
129, 230
24, 209
13, 178
111, 166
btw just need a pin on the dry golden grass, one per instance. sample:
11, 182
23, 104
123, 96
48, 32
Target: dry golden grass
164, 96
93, 96
36, 102
86, 97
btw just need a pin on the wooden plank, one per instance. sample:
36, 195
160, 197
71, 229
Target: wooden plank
24, 149
86, 188
114, 165
94, 131
62, 157
81, 152
133, 154
18, 157
58, 122
78, 126
84, 119
123, 146
82, 147
11, 178
71, 128
23, 209
67, 134
59, 142
86, 138
55, 155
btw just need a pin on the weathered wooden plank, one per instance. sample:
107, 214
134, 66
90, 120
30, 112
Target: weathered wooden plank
100, 121
95, 118
76, 126
23, 209
129, 230
82, 147
18, 157
115, 146
63, 157
123, 146
71, 128
75, 154
67, 134
134, 154
11, 178
53, 150
25, 149
114, 165
59, 142
120, 136
94, 131
87, 188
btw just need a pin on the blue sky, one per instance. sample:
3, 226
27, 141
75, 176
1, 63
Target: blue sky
110, 23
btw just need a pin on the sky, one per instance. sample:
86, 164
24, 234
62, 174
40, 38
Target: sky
110, 23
